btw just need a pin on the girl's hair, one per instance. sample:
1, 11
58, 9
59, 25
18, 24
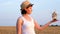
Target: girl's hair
23, 11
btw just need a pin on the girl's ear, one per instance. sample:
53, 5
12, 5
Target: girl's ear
25, 8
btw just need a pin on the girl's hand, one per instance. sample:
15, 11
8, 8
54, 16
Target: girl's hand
53, 21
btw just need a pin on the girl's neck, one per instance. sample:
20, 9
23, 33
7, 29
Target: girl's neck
26, 15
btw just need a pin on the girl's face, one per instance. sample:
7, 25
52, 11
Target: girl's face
29, 10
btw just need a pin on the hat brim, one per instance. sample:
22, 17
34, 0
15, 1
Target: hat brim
30, 5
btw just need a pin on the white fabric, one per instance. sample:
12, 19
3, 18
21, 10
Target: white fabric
28, 26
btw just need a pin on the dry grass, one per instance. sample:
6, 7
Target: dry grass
12, 30
7, 30
49, 30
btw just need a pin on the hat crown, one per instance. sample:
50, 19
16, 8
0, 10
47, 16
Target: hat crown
25, 4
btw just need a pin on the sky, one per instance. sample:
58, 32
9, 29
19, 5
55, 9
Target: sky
42, 11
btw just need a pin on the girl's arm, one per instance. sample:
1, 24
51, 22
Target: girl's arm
43, 27
19, 26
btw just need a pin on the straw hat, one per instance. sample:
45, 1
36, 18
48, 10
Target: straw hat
25, 4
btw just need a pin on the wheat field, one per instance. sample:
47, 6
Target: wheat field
12, 30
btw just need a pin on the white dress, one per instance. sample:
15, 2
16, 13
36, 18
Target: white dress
28, 26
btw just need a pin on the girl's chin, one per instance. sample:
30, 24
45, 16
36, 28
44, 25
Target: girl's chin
29, 13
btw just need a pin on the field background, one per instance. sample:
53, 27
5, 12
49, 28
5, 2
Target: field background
48, 30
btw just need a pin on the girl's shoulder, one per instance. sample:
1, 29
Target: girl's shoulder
19, 18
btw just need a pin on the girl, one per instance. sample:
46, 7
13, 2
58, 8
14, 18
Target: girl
25, 23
